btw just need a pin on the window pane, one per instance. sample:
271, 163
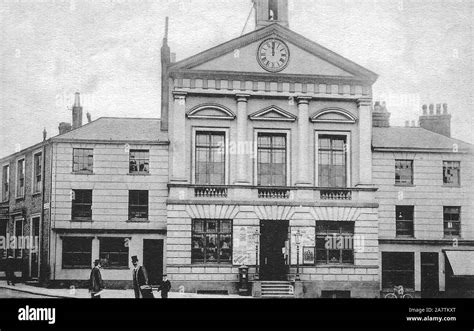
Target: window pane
211, 241
271, 158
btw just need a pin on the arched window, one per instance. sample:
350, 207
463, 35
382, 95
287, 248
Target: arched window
273, 10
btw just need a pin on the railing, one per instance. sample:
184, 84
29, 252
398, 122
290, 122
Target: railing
210, 192
335, 195
273, 193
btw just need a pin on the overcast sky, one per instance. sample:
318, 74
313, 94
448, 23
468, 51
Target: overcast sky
109, 50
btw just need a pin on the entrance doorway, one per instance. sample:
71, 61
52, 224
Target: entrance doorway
153, 260
273, 237
429, 275
35, 249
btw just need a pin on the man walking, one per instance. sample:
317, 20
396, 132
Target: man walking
10, 270
140, 281
96, 284
164, 287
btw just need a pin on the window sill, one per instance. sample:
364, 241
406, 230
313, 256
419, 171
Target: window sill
82, 173
116, 268
451, 186
138, 221
226, 264
404, 237
81, 221
35, 194
330, 265
19, 198
77, 268
140, 174
405, 185
453, 237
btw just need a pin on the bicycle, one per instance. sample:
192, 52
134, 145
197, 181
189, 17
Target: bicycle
398, 293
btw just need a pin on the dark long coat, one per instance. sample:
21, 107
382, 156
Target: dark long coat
140, 278
96, 284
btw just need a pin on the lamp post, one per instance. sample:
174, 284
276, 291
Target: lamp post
298, 236
256, 237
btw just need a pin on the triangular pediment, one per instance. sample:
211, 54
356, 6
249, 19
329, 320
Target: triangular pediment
272, 113
306, 57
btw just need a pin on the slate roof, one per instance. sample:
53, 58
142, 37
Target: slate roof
118, 129
415, 138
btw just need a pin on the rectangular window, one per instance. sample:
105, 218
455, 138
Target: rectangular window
404, 172
210, 158
19, 238
452, 221
211, 241
334, 242
77, 252
332, 158
138, 205
37, 172
82, 205
271, 159
404, 221
451, 173
114, 252
83, 160
6, 183
20, 179
139, 161
398, 269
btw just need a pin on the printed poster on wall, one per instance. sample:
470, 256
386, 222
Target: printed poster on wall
244, 245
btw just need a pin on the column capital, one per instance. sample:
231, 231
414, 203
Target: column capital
303, 100
241, 97
364, 102
179, 95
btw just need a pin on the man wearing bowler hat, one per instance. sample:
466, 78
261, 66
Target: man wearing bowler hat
140, 281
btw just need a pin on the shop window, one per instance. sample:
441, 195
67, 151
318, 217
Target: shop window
211, 241
398, 269
114, 253
334, 242
77, 252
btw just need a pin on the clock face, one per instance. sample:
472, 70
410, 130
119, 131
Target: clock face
273, 55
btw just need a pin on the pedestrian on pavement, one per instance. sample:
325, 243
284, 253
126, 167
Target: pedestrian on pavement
140, 281
165, 287
96, 284
10, 270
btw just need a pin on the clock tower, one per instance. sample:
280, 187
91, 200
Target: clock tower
270, 11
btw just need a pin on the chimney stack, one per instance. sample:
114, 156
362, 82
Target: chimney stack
77, 112
89, 117
45, 134
380, 115
64, 127
439, 122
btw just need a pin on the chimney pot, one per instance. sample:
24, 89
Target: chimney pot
407, 123
89, 118
45, 134
438, 109
425, 110
431, 109
445, 108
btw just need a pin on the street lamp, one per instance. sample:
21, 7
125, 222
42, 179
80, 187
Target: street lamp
298, 236
256, 237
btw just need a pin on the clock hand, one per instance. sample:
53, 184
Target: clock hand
273, 48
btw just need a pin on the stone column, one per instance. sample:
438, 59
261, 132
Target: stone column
242, 148
365, 141
177, 137
303, 166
